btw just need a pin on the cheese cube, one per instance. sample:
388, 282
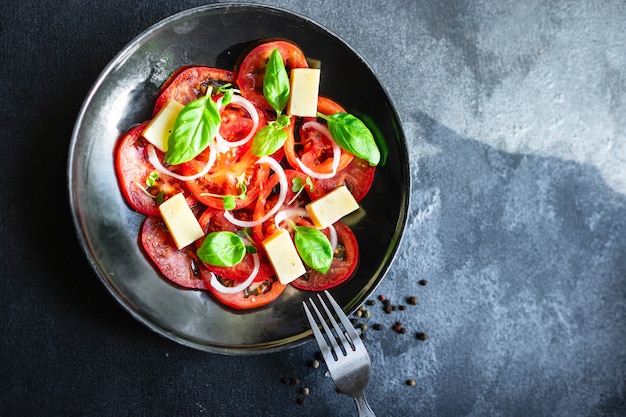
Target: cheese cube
180, 221
158, 130
332, 207
283, 256
304, 91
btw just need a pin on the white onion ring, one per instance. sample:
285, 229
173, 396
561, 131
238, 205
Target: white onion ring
333, 237
215, 283
282, 179
154, 160
288, 213
323, 129
254, 115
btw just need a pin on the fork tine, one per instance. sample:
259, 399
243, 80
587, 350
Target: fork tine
350, 330
319, 337
335, 337
341, 334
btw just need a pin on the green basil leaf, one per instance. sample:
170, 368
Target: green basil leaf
195, 127
268, 140
276, 82
314, 248
352, 135
222, 249
378, 136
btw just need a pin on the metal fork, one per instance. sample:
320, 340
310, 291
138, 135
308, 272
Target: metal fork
343, 351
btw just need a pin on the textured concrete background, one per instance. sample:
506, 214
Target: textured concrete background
515, 113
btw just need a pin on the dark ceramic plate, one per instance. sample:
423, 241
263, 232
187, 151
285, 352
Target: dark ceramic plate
108, 229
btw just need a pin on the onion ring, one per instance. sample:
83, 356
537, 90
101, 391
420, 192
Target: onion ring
282, 179
154, 160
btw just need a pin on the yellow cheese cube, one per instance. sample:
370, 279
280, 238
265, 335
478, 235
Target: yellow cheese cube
304, 91
158, 130
180, 221
332, 207
283, 256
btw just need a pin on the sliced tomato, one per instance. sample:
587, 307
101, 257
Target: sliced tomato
236, 123
182, 267
235, 173
257, 295
213, 220
191, 83
268, 196
313, 148
345, 261
133, 169
251, 71
358, 177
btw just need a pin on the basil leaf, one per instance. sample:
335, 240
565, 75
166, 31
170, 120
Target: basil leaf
314, 248
276, 82
378, 136
195, 127
222, 249
268, 140
352, 135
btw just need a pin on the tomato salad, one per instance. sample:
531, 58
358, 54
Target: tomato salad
247, 169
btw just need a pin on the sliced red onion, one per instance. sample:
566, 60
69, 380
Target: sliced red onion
323, 129
223, 144
154, 160
215, 283
282, 179
333, 237
289, 213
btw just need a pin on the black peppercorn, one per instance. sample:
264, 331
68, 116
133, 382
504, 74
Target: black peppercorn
422, 335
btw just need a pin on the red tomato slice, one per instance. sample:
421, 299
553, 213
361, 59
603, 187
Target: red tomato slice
251, 71
231, 170
133, 168
358, 177
344, 264
268, 196
258, 295
313, 148
190, 83
213, 220
182, 267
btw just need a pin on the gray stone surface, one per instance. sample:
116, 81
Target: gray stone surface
515, 114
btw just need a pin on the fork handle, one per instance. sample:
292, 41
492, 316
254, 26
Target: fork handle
363, 407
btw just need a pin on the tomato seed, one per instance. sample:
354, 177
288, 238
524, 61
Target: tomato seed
410, 382
412, 300
423, 282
